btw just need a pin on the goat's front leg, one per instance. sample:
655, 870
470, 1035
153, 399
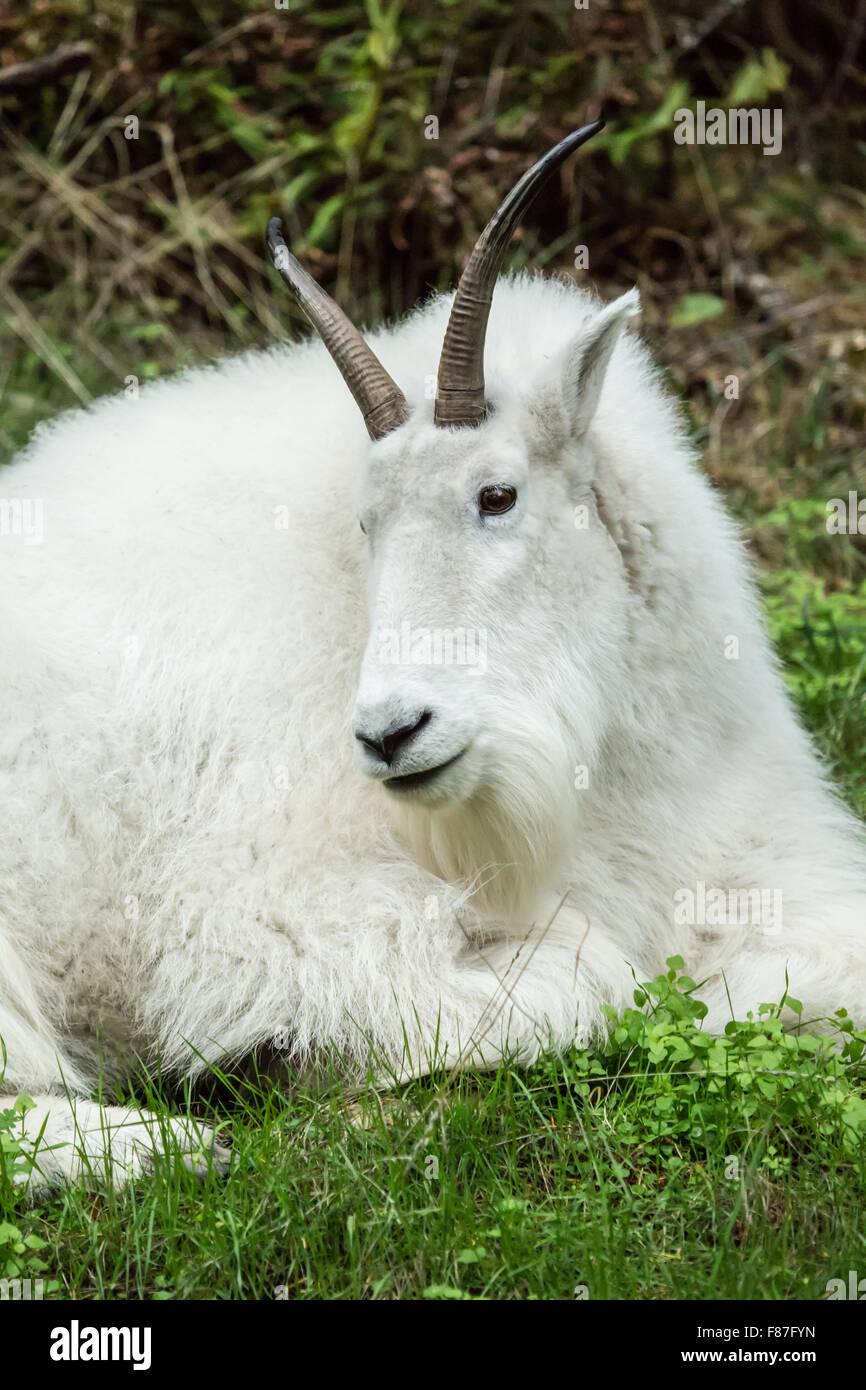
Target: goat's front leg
62, 1135
389, 964
72, 1140
519, 994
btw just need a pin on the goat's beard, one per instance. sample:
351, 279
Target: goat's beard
506, 843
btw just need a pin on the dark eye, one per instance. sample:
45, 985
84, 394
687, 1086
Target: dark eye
493, 501
362, 526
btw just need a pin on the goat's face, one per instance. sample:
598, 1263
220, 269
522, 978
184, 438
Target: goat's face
495, 593
492, 623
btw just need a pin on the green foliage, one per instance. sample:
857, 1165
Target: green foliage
641, 128
20, 1256
16, 1162
821, 637
760, 75
755, 1061
21, 1249
696, 308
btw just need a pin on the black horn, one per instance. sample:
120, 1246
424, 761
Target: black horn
382, 403
460, 384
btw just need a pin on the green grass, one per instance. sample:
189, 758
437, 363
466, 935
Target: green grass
665, 1165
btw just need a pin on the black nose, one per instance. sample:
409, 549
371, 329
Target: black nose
387, 745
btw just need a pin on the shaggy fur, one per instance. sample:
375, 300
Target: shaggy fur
196, 853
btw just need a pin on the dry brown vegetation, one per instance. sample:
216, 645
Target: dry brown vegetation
124, 255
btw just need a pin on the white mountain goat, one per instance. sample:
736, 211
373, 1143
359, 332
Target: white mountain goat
437, 783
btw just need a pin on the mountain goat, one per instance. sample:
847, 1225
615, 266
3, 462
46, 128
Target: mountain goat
439, 783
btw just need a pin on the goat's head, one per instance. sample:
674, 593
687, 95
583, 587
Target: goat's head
485, 671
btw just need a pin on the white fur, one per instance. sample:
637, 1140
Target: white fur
196, 853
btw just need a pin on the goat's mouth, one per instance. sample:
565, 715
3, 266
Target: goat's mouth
410, 780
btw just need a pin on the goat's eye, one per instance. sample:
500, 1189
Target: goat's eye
362, 526
493, 501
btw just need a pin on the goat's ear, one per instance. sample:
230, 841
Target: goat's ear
583, 362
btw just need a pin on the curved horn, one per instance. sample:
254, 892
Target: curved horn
460, 384
382, 403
